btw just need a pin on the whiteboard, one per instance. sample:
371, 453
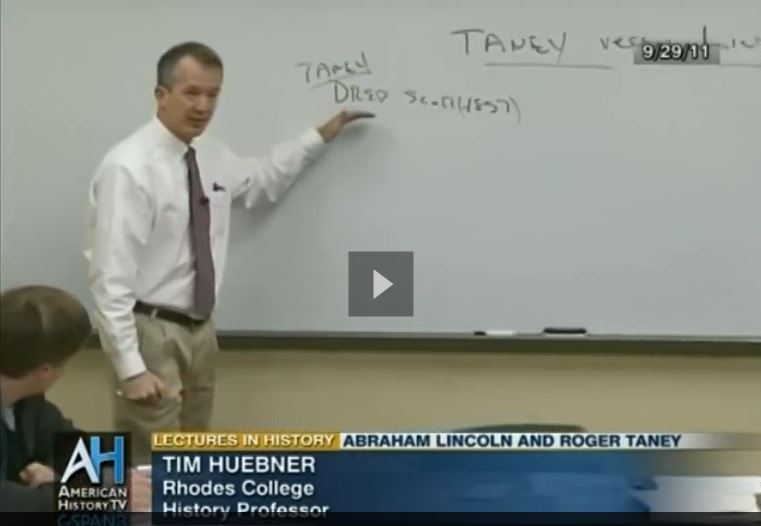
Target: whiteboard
624, 198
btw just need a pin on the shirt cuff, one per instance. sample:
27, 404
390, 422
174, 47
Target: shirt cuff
128, 364
312, 142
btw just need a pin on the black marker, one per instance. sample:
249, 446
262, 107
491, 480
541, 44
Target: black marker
565, 331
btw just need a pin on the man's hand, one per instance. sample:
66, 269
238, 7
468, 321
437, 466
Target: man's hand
146, 387
36, 474
140, 491
333, 127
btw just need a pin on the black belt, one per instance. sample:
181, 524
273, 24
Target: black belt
168, 315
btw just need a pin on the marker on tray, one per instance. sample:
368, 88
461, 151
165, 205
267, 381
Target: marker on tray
501, 333
564, 331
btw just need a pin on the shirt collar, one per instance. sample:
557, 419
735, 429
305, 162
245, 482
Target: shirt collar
9, 418
169, 141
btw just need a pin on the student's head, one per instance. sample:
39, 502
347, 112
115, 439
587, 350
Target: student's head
189, 79
42, 327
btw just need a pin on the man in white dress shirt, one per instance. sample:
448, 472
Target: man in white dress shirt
157, 233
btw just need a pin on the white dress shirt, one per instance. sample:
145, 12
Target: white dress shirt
138, 223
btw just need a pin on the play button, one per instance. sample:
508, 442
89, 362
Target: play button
380, 284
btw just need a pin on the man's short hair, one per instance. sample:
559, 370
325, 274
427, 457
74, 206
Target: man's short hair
40, 325
165, 70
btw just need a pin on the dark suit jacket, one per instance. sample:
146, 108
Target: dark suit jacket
39, 422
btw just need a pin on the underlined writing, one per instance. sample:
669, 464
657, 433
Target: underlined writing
351, 79
548, 51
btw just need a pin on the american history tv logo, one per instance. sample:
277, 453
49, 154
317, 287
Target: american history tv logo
95, 472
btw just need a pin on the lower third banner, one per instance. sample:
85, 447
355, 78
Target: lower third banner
246, 488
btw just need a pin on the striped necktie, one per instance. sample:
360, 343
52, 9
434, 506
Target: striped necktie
200, 222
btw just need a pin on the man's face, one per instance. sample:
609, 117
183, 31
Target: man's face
187, 105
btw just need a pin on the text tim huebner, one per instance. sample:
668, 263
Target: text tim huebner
231, 495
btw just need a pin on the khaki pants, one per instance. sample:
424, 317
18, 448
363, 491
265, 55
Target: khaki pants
185, 360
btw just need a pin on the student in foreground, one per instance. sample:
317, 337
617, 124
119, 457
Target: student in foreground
42, 328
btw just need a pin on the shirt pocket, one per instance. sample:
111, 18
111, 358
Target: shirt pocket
219, 208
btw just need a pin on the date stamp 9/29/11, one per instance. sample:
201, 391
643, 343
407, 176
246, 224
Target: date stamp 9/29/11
673, 53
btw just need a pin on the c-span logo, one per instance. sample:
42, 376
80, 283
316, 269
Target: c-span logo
95, 469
